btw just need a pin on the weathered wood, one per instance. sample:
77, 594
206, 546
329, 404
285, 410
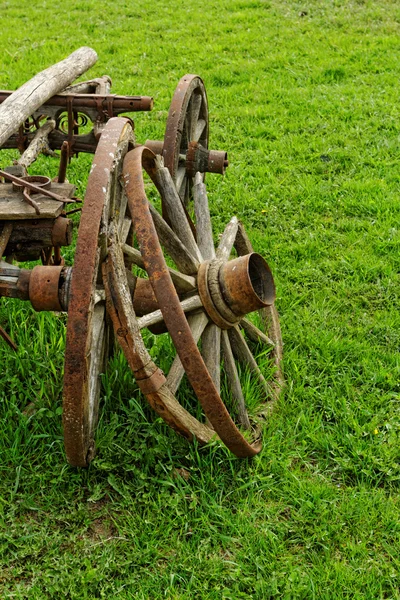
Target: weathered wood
227, 239
196, 103
197, 324
183, 283
31, 95
255, 334
244, 355
184, 260
200, 126
176, 212
40, 143
8, 340
242, 242
234, 381
271, 320
5, 236
39, 231
25, 184
99, 85
156, 317
165, 403
211, 353
203, 220
13, 206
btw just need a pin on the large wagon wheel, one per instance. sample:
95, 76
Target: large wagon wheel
88, 331
217, 310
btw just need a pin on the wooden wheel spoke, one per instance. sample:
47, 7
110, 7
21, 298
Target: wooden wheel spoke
234, 381
180, 177
197, 324
227, 239
203, 219
254, 333
200, 127
176, 212
124, 229
183, 283
182, 257
122, 216
211, 353
96, 353
244, 355
156, 316
196, 102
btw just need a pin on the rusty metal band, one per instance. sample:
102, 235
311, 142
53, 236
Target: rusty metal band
169, 303
216, 295
206, 299
77, 438
43, 288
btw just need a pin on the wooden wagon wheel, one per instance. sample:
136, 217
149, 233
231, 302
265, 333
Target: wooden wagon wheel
87, 330
187, 122
216, 312
187, 125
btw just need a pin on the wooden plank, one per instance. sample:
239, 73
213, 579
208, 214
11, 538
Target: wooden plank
13, 206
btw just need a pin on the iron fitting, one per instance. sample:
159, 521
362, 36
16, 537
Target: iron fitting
202, 160
44, 285
247, 284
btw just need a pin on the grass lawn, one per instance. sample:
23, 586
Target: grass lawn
304, 96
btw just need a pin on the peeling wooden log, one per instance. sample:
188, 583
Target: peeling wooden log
99, 85
31, 95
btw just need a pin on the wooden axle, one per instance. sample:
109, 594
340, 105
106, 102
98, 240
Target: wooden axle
30, 236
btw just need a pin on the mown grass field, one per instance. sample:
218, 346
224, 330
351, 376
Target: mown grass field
305, 98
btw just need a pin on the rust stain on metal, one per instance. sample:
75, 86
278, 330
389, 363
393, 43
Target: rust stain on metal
43, 288
247, 284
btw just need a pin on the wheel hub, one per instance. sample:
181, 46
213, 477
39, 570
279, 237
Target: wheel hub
229, 290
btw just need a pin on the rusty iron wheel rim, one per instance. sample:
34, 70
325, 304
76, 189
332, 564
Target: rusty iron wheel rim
199, 377
188, 108
87, 339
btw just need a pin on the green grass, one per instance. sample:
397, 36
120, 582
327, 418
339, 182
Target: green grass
307, 107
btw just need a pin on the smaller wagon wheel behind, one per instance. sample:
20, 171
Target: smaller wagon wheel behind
185, 146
